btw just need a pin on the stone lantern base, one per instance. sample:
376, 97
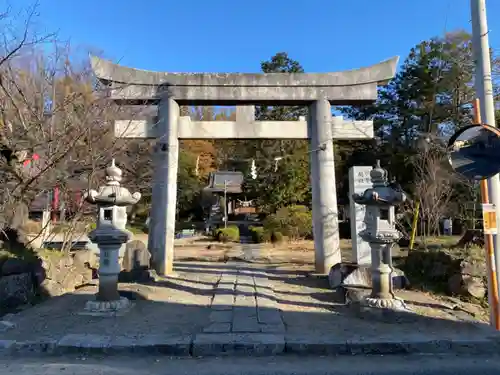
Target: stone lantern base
385, 303
383, 309
107, 308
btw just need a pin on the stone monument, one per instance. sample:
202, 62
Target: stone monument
110, 234
381, 234
164, 92
359, 181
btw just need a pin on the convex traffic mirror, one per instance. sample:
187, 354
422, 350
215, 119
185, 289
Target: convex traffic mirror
474, 151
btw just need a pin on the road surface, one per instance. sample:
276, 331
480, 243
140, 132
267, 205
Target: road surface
472, 162
359, 365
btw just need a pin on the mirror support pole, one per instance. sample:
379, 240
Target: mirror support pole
489, 245
484, 91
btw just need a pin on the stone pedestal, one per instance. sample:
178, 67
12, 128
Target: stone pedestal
107, 300
391, 310
345, 275
109, 269
107, 308
381, 271
324, 195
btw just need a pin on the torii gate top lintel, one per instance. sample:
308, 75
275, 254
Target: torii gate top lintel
347, 87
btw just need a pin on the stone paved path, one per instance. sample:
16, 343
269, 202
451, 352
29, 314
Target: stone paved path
234, 307
249, 251
245, 302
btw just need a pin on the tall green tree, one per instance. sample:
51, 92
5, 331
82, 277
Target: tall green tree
430, 97
188, 186
427, 101
285, 181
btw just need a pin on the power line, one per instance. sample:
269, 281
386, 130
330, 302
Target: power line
321, 147
440, 67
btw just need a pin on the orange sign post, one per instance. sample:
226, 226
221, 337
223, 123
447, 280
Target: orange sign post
489, 228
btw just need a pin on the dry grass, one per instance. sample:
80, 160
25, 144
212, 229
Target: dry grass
445, 241
294, 252
302, 252
298, 252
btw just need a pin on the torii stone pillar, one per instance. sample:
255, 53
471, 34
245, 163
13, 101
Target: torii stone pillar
324, 192
162, 223
315, 90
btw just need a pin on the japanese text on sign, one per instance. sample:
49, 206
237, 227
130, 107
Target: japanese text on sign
363, 178
489, 219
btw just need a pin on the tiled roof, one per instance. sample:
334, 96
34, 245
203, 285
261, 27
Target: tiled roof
232, 180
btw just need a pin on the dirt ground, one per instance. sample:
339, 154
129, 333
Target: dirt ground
298, 256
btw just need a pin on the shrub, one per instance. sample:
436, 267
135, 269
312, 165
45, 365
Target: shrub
229, 234
266, 236
294, 222
277, 237
258, 234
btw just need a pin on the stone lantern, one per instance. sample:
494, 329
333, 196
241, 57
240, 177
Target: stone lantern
381, 234
110, 234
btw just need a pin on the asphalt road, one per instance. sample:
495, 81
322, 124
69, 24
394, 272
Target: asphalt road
471, 163
358, 365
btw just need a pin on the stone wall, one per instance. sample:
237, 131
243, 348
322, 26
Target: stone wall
24, 281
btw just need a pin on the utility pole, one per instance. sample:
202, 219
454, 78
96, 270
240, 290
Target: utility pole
488, 242
484, 92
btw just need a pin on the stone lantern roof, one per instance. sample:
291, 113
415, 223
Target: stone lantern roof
112, 193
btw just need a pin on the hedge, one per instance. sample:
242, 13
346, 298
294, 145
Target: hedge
294, 222
229, 234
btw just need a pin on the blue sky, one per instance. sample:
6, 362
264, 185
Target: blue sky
235, 35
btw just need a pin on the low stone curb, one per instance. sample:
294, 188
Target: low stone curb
305, 345
249, 344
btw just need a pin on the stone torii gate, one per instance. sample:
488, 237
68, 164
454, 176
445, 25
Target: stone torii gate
316, 90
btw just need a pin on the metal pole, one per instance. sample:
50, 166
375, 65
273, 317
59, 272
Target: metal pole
414, 225
484, 91
488, 237
225, 203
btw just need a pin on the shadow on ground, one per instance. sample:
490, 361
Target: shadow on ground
182, 306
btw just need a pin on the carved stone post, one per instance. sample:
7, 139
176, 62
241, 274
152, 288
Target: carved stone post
110, 234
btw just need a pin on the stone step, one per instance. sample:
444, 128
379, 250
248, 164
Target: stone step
244, 344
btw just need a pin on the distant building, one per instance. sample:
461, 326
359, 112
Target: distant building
65, 206
230, 182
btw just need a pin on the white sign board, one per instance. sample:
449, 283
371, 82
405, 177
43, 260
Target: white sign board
489, 218
359, 181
